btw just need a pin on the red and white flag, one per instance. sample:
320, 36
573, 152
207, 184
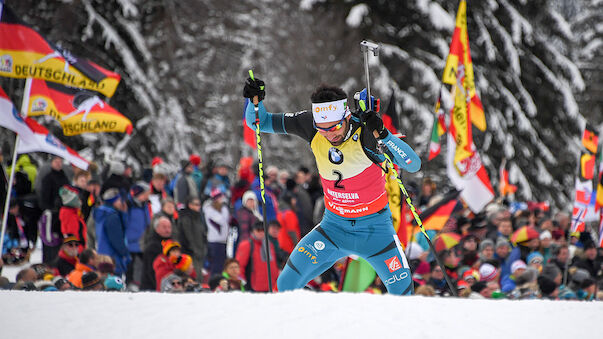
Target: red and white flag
470, 177
33, 137
582, 205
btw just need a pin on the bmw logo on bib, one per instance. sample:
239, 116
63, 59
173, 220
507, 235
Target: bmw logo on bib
335, 156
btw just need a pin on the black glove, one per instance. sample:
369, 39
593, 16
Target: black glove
254, 88
373, 122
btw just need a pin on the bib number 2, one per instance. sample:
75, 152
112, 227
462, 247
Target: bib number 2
339, 179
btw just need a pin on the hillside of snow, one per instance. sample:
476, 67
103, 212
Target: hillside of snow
299, 314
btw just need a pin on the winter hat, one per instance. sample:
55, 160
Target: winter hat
89, 280
182, 262
462, 284
486, 243
168, 245
415, 250
167, 283
472, 274
113, 283
501, 241
156, 161
69, 196
139, 188
195, 159
518, 264
70, 238
580, 275
106, 267
530, 275
111, 195
216, 193
546, 234
116, 167
535, 258
249, 195
550, 271
184, 163
422, 268
487, 272
546, 285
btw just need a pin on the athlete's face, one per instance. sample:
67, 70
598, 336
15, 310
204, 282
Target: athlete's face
334, 136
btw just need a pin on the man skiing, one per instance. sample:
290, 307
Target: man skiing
357, 219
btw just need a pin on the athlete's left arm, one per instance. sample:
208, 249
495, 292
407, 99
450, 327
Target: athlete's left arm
403, 155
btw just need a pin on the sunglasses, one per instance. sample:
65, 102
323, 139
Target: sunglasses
71, 244
335, 127
177, 283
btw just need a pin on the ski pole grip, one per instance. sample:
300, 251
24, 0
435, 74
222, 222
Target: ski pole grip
255, 99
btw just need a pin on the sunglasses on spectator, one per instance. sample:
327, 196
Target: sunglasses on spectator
177, 282
335, 127
71, 244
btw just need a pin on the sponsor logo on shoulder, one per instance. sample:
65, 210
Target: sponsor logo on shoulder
355, 137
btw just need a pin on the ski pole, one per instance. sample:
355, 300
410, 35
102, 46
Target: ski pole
373, 47
261, 174
418, 220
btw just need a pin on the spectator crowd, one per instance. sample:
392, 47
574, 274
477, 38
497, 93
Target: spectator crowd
200, 228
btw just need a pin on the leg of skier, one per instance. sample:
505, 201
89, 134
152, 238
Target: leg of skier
314, 254
378, 243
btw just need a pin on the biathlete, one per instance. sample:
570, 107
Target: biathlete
357, 219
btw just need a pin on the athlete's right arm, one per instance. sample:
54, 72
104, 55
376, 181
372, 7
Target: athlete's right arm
299, 123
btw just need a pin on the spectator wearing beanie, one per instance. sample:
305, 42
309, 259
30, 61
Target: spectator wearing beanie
71, 217
217, 219
67, 258
110, 221
488, 272
589, 260
91, 282
502, 249
526, 285
170, 260
113, 283
548, 288
86, 263
508, 282
185, 185
139, 219
535, 259
546, 241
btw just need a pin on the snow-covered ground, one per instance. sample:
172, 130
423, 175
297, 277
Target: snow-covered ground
299, 314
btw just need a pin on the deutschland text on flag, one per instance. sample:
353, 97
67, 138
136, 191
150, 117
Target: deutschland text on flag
33, 137
24, 53
78, 111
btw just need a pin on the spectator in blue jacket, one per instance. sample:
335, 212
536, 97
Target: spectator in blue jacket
139, 219
111, 220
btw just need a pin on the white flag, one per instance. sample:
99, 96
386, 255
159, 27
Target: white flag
34, 137
470, 177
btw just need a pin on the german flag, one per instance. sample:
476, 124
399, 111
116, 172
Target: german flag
24, 53
78, 111
436, 216
590, 139
390, 117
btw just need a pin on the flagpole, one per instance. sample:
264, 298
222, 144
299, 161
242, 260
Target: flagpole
24, 105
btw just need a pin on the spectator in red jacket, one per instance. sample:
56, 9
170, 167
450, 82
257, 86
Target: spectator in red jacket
251, 255
162, 265
70, 215
289, 234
